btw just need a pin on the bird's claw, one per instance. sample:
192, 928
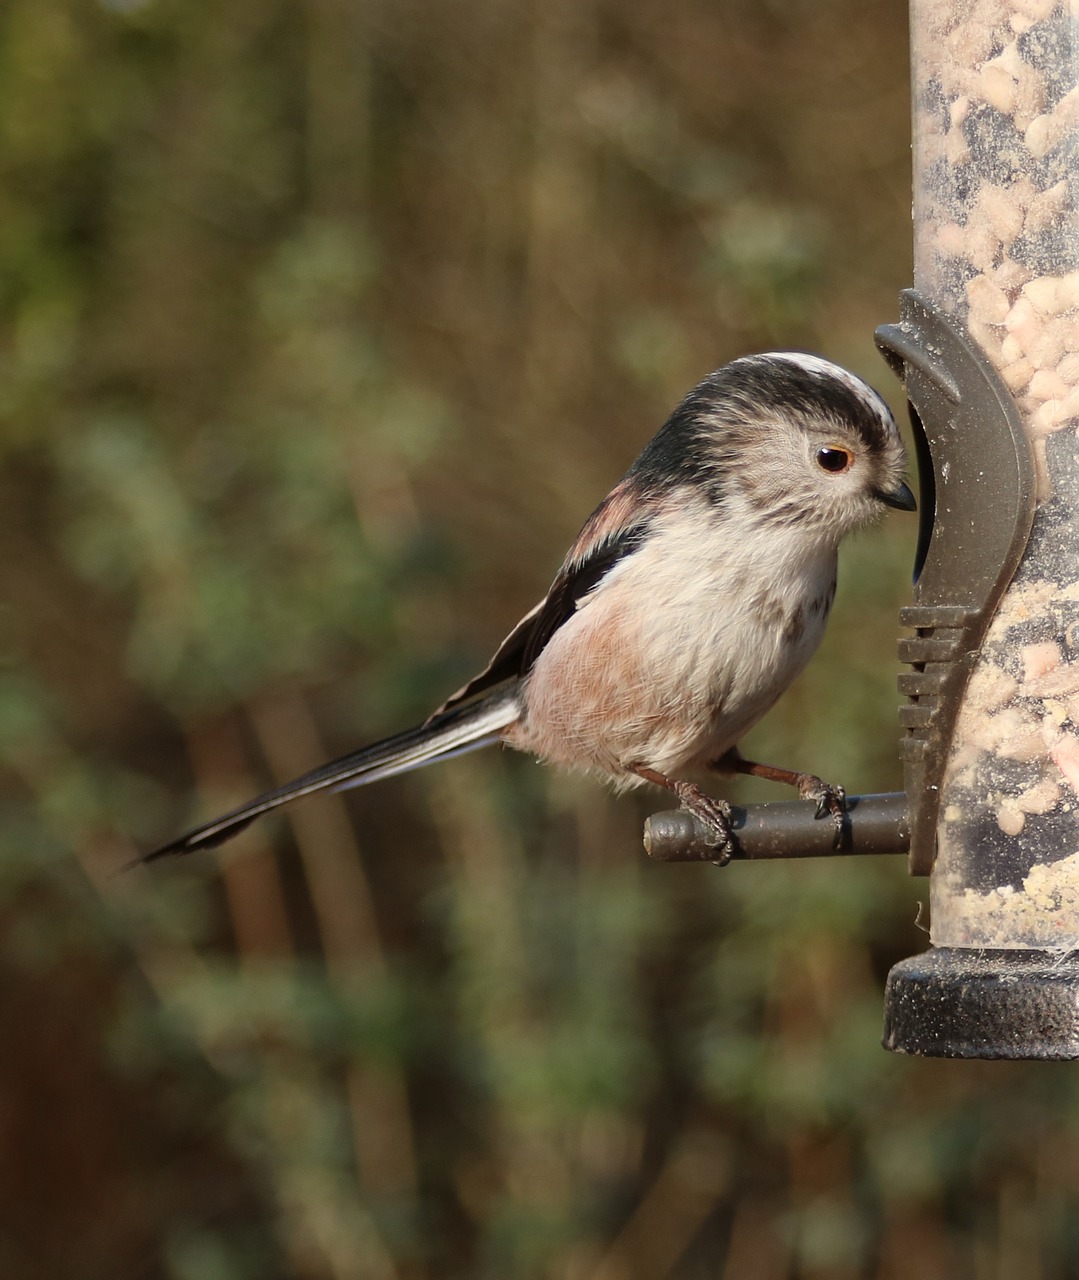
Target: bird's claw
713, 814
829, 799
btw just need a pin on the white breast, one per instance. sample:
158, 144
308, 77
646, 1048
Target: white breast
680, 649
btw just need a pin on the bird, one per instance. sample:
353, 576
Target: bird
690, 600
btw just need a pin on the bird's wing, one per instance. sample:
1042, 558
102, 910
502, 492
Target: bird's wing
577, 577
616, 529
506, 664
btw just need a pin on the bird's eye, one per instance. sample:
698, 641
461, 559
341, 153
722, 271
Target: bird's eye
832, 458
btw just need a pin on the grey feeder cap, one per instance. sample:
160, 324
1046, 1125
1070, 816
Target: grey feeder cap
959, 1002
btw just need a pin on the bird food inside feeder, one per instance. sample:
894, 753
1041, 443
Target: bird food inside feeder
996, 92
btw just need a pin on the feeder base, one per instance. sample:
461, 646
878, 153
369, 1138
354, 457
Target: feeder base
955, 1002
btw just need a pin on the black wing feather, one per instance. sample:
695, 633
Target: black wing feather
602, 543
573, 583
505, 665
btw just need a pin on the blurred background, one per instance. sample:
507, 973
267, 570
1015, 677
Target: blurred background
322, 327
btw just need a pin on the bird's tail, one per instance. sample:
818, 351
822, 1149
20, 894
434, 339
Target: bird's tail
451, 733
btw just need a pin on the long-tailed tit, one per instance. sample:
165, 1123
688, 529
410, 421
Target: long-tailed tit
695, 593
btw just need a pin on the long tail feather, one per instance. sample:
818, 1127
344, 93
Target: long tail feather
450, 734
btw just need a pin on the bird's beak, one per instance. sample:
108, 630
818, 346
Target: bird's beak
900, 497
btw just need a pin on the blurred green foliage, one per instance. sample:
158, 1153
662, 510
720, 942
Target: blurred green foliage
322, 326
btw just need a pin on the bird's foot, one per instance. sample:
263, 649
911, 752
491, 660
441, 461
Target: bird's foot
828, 798
714, 814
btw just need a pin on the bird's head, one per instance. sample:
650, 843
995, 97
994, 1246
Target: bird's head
800, 441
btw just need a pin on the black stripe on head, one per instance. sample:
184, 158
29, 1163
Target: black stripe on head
674, 456
802, 387
809, 388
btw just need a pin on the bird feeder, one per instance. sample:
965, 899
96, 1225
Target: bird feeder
987, 346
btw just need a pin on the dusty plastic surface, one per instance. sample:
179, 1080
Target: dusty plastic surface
972, 1003
996, 92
